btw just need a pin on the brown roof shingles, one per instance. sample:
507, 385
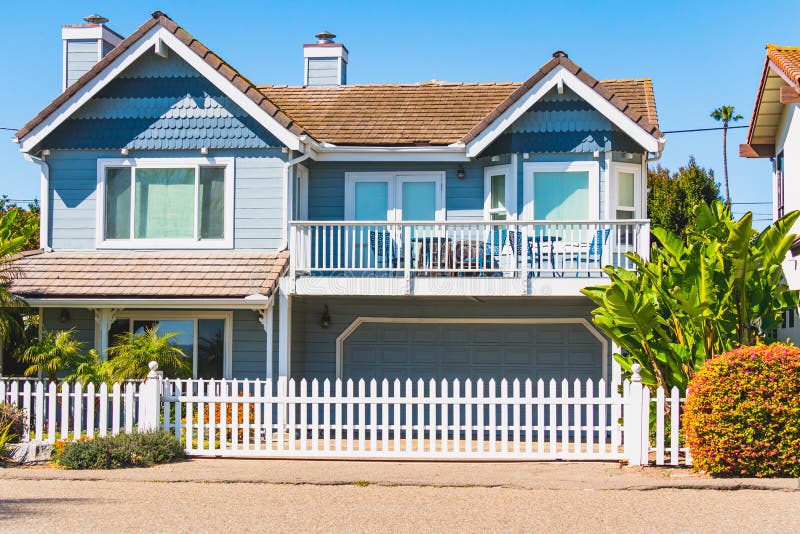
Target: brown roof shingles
428, 113
159, 274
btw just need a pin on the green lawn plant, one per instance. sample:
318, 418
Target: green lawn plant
54, 352
132, 352
718, 289
124, 450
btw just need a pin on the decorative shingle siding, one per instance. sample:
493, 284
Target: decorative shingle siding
562, 123
160, 104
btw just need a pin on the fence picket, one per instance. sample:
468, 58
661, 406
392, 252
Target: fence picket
52, 414
601, 423
116, 408
457, 403
362, 394
576, 423
90, 402
492, 417
564, 427
480, 404
468, 405
39, 410
660, 426
303, 415
291, 408
503, 416
129, 406
445, 421
326, 416
26, 406
590, 407
553, 428
65, 411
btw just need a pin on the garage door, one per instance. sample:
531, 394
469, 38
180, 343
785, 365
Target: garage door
435, 350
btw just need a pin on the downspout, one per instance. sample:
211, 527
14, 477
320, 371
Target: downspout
287, 176
44, 200
265, 318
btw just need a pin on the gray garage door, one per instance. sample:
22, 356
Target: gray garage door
435, 350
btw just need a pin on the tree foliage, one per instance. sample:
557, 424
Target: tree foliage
130, 356
720, 288
18, 222
55, 352
726, 115
673, 196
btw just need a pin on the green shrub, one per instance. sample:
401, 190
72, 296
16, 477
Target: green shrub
123, 450
742, 413
13, 419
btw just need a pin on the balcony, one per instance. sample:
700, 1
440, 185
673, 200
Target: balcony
475, 258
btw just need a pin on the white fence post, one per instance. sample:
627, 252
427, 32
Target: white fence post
150, 399
633, 418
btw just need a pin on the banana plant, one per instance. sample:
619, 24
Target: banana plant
720, 288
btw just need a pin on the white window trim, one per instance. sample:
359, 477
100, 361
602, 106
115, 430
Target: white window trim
163, 163
592, 167
394, 181
511, 190
636, 170
156, 315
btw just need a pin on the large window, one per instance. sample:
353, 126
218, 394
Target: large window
567, 191
167, 203
626, 191
202, 337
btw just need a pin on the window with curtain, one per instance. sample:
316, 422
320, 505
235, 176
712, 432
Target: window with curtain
165, 203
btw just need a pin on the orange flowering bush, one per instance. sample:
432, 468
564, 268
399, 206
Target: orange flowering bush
216, 409
742, 413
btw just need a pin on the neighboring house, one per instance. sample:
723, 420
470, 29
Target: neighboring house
430, 230
774, 133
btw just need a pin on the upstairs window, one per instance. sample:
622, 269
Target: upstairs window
162, 204
499, 193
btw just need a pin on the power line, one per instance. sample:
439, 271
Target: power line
9, 129
767, 202
704, 129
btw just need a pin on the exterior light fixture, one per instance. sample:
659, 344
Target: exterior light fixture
325, 320
124, 151
64, 316
460, 172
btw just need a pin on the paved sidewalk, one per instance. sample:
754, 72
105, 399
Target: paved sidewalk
338, 496
516, 475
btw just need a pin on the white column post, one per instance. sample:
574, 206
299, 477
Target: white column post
150, 397
633, 418
101, 327
267, 318
284, 334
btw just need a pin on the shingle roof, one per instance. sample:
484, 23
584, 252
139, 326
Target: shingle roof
157, 274
787, 59
217, 63
428, 113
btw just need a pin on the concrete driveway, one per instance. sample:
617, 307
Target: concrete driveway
259, 495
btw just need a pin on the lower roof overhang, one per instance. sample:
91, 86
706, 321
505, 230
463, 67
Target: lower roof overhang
247, 303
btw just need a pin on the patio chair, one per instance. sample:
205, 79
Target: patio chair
496, 244
588, 253
383, 247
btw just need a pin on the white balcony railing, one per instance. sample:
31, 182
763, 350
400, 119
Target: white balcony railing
518, 249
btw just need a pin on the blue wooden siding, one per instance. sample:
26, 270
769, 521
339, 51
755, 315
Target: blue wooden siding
257, 204
464, 197
81, 320
323, 72
314, 348
81, 56
160, 103
249, 345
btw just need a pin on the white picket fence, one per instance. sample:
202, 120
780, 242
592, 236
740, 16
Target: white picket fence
518, 420
422, 419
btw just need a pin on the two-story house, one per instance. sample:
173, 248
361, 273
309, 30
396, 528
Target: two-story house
774, 133
428, 230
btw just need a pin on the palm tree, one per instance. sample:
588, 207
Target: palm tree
10, 304
54, 352
130, 356
726, 114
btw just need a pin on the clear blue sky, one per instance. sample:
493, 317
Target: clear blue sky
700, 55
